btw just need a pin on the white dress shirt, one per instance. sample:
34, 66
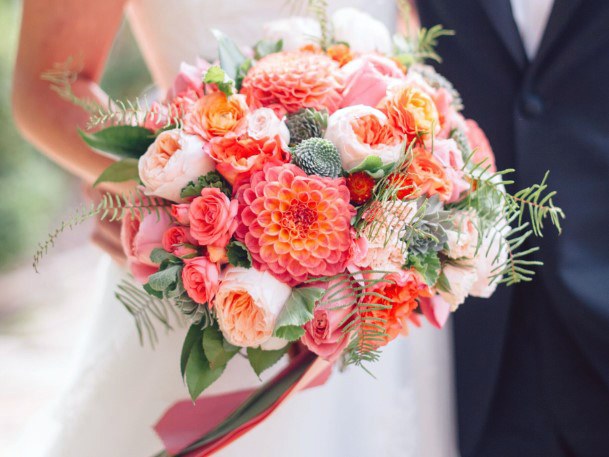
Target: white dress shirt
531, 17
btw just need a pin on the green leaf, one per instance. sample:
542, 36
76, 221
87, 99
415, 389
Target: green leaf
242, 73
428, 265
265, 47
255, 405
193, 337
121, 140
151, 291
212, 179
164, 279
373, 165
199, 375
215, 75
238, 255
443, 284
217, 350
123, 170
290, 332
261, 360
297, 311
229, 53
160, 255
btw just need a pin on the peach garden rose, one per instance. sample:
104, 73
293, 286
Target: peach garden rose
215, 114
171, 162
247, 305
360, 131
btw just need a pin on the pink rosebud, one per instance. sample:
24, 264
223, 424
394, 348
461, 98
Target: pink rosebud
324, 333
212, 218
367, 80
178, 241
435, 309
139, 238
201, 279
180, 213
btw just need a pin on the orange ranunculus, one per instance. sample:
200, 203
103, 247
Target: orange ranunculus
215, 114
411, 112
340, 53
398, 294
428, 176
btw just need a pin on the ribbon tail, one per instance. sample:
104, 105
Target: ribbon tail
211, 423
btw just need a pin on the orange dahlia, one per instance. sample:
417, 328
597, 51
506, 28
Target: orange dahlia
398, 296
296, 226
294, 80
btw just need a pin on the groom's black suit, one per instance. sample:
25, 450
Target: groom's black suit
532, 365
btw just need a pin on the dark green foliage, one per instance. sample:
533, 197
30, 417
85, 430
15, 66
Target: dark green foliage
212, 179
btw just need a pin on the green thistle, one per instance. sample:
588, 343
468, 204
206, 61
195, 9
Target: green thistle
306, 123
317, 156
437, 81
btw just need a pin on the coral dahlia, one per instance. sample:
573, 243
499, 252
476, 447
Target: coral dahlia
290, 81
295, 226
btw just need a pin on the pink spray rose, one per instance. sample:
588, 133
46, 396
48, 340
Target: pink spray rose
201, 279
180, 213
212, 218
179, 242
367, 79
324, 333
139, 238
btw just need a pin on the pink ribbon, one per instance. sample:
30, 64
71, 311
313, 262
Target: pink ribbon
185, 422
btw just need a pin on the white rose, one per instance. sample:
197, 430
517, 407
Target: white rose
352, 149
247, 304
295, 32
171, 162
461, 279
492, 254
264, 123
361, 31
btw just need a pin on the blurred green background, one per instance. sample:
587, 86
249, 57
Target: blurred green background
35, 193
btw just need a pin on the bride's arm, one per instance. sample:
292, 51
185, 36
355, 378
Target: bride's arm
51, 33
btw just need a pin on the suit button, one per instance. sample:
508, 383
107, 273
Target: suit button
532, 105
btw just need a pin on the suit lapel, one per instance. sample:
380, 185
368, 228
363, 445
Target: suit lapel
500, 14
562, 11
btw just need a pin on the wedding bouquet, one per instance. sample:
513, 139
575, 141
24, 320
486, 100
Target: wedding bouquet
321, 190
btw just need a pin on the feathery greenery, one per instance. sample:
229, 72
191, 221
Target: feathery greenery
111, 207
146, 309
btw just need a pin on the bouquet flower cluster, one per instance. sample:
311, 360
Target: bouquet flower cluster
321, 189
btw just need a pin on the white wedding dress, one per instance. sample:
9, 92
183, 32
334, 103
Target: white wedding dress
119, 389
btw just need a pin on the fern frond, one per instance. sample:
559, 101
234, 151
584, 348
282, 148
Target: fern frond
62, 77
319, 8
148, 311
116, 112
428, 40
502, 216
111, 207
